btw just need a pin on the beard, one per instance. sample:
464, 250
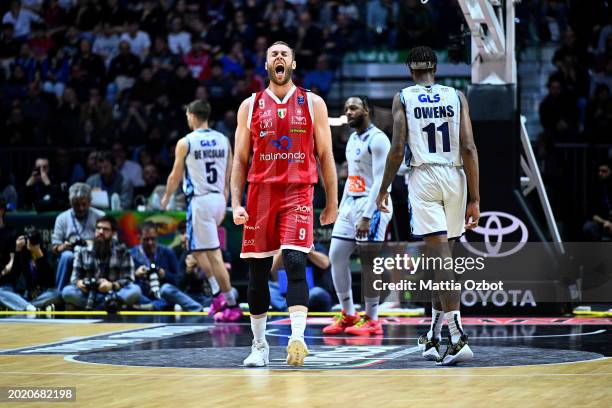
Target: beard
356, 122
286, 78
102, 248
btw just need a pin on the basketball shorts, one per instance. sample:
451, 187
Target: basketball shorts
280, 217
437, 200
350, 213
204, 214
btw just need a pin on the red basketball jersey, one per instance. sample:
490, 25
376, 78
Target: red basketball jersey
282, 138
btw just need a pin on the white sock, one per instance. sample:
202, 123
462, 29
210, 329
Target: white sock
298, 324
437, 320
371, 307
346, 300
229, 297
454, 325
258, 326
214, 285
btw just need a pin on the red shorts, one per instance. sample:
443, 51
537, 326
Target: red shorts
280, 217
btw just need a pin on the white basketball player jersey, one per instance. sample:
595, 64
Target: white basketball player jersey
359, 159
206, 162
433, 114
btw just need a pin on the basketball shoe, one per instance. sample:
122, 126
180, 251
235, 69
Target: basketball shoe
456, 353
228, 314
260, 355
341, 322
365, 327
296, 351
430, 348
217, 305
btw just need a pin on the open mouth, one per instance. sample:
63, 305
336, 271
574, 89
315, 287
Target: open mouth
279, 69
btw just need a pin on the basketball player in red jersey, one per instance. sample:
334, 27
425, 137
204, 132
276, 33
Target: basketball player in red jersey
285, 128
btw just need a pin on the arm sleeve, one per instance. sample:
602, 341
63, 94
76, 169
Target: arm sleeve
379, 147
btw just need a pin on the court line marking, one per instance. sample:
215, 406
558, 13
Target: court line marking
51, 321
600, 331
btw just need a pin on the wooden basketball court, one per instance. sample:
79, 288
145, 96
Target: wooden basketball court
75, 353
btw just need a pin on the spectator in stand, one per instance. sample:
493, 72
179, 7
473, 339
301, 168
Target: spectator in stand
308, 43
124, 68
241, 30
139, 41
198, 60
67, 120
219, 91
233, 62
17, 131
147, 89
26, 60
40, 191
559, 112
181, 92
9, 47
134, 120
21, 19
8, 192
151, 178
320, 80
106, 43
179, 40
128, 168
414, 24
65, 170
599, 115
381, 15
599, 226
162, 60
55, 72
97, 110
73, 227
151, 17
111, 181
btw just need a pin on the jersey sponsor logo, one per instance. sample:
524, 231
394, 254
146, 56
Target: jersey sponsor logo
294, 130
251, 227
266, 124
436, 112
248, 242
208, 143
357, 184
298, 120
282, 113
283, 143
298, 111
262, 104
300, 99
304, 209
265, 114
302, 219
265, 133
428, 98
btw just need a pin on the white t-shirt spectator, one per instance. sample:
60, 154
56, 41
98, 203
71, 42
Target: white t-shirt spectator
179, 43
140, 44
133, 172
22, 22
106, 47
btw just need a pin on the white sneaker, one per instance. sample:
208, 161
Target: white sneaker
260, 355
296, 351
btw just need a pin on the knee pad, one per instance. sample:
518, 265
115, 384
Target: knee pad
297, 287
258, 293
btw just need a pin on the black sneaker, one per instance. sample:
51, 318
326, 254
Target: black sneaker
430, 348
456, 353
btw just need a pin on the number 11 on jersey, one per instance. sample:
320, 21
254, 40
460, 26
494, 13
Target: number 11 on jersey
431, 136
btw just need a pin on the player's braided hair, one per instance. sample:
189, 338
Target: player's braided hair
421, 58
365, 101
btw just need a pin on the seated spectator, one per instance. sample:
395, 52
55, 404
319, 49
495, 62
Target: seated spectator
308, 43
92, 65
161, 60
40, 191
319, 297
73, 227
134, 120
31, 267
198, 60
8, 192
147, 88
558, 112
139, 41
109, 180
600, 224
128, 168
219, 90
599, 115
105, 267
179, 40
320, 80
150, 257
233, 63
123, 70
17, 130
9, 47
97, 110
21, 19
7, 246
55, 72
106, 43
65, 170
151, 181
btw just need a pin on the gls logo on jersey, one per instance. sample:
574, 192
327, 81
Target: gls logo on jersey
428, 98
208, 143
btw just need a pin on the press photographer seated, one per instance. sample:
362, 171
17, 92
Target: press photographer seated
156, 271
102, 276
27, 281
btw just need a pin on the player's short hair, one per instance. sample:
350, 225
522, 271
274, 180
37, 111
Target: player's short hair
365, 101
422, 58
282, 43
200, 109
147, 226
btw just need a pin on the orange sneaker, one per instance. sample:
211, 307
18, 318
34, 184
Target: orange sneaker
341, 322
365, 327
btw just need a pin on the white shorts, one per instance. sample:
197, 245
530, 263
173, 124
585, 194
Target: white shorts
350, 212
437, 200
204, 214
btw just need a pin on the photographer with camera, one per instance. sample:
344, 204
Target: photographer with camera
28, 282
73, 227
40, 192
156, 271
103, 273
